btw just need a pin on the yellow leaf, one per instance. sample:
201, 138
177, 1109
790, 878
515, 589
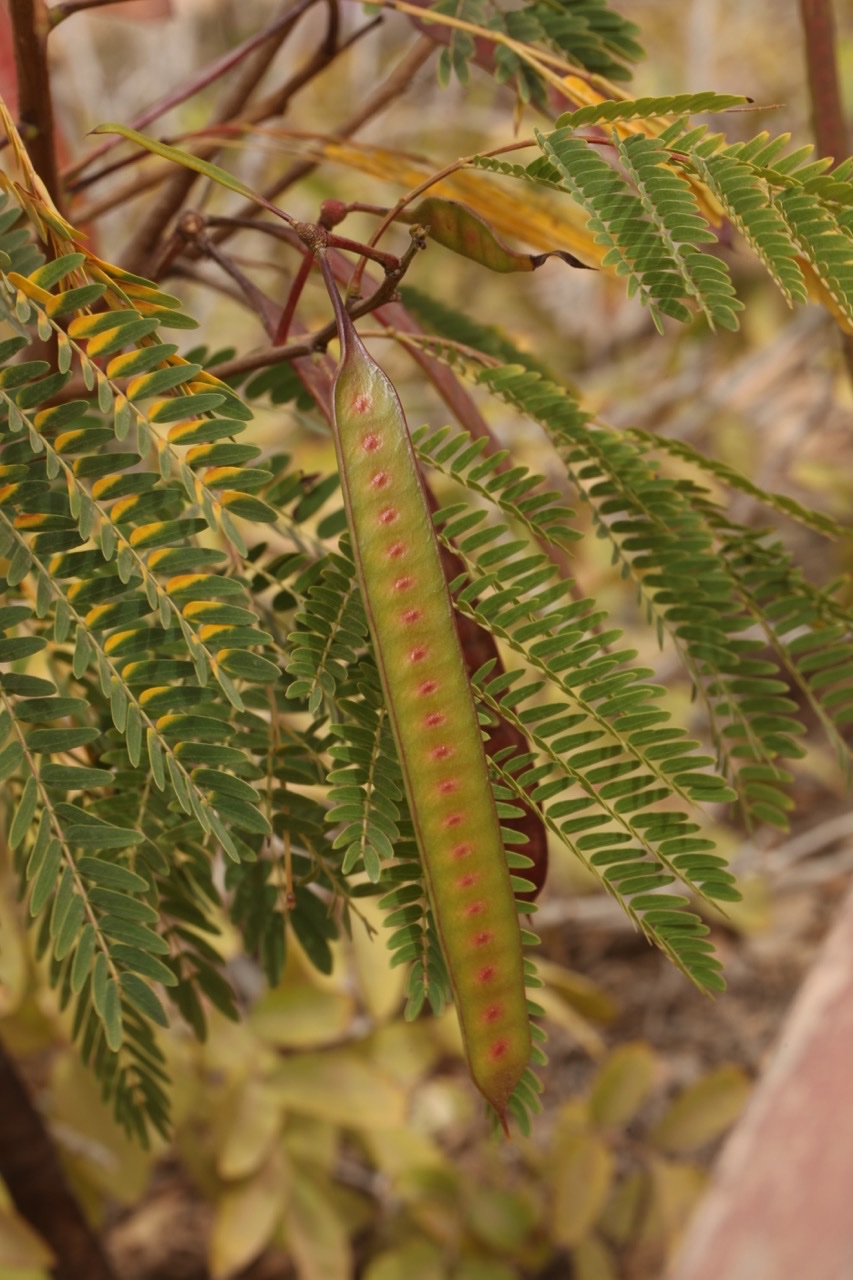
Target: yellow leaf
342, 1087
250, 1131
582, 1170
484, 1269
400, 1153
568, 1019
13, 958
417, 1260
311, 1141
820, 293
703, 1111
622, 1085
406, 1050
26, 286
98, 1152
592, 1260
247, 1214
501, 1219
624, 1210
675, 1190
314, 1232
535, 218
20, 1246
297, 1016
580, 992
381, 986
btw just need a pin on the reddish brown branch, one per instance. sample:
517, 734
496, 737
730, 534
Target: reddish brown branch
59, 12
212, 72
138, 254
398, 82
30, 1168
30, 27
829, 125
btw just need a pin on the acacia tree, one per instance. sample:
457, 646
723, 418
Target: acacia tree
229, 686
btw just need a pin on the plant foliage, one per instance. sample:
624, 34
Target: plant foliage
192, 723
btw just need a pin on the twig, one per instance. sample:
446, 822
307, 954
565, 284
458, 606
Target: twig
219, 67
137, 256
67, 8
192, 230
30, 26
397, 83
425, 185
320, 339
276, 102
60, 12
142, 183
830, 128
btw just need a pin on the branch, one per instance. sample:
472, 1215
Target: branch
320, 339
268, 106
202, 80
398, 82
828, 123
137, 255
30, 1168
61, 11
830, 129
30, 26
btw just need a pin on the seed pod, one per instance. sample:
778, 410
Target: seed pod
462, 229
478, 648
433, 717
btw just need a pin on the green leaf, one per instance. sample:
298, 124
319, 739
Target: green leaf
647, 108
45, 879
83, 958
100, 982
140, 995
144, 963
109, 874
102, 836
188, 161
69, 931
10, 757
71, 777
111, 1015
24, 813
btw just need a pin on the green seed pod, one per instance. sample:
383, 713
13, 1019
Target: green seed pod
462, 229
433, 716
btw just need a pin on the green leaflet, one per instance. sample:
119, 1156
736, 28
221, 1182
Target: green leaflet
433, 717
